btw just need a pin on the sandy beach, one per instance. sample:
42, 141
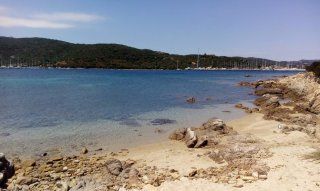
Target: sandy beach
273, 147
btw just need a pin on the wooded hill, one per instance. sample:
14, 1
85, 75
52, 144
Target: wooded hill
55, 53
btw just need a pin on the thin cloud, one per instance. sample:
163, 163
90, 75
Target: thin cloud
59, 20
68, 16
3, 9
31, 23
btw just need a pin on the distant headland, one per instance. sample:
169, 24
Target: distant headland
42, 52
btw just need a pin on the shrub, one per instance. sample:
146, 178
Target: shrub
315, 68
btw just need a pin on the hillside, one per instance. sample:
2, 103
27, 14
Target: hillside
55, 53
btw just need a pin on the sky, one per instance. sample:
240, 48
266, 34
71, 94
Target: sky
273, 29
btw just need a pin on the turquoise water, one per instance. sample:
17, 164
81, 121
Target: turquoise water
41, 104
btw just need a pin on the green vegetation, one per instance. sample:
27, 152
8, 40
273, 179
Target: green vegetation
315, 68
54, 53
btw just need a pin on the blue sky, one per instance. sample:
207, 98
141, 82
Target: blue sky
275, 29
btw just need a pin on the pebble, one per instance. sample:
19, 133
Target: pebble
84, 150
255, 174
264, 177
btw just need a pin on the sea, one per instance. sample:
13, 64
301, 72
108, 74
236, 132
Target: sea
62, 110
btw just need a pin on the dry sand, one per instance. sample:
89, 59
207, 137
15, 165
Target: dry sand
289, 168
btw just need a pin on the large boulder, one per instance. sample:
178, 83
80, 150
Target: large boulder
6, 170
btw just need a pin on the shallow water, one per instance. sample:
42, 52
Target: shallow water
45, 108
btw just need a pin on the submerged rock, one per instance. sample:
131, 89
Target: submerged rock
191, 100
163, 121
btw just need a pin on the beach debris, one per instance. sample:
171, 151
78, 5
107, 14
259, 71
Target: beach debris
191, 100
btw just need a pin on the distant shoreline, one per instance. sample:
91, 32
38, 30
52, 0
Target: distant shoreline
200, 69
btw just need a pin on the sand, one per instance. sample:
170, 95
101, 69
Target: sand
289, 168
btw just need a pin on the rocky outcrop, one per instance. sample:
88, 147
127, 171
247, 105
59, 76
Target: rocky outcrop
6, 170
207, 134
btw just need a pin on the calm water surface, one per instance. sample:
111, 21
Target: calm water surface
48, 101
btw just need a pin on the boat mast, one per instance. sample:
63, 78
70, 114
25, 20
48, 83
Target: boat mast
198, 59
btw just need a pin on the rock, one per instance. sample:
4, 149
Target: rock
191, 100
158, 130
317, 133
6, 169
1, 177
56, 158
128, 163
190, 138
28, 163
114, 166
272, 102
263, 177
63, 186
214, 124
25, 180
314, 104
247, 178
255, 175
247, 84
162, 121
84, 150
202, 141
178, 134
192, 173
264, 91
65, 169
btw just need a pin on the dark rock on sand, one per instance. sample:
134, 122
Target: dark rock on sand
6, 170
163, 121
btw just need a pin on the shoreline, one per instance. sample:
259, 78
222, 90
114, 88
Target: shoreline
273, 144
216, 69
